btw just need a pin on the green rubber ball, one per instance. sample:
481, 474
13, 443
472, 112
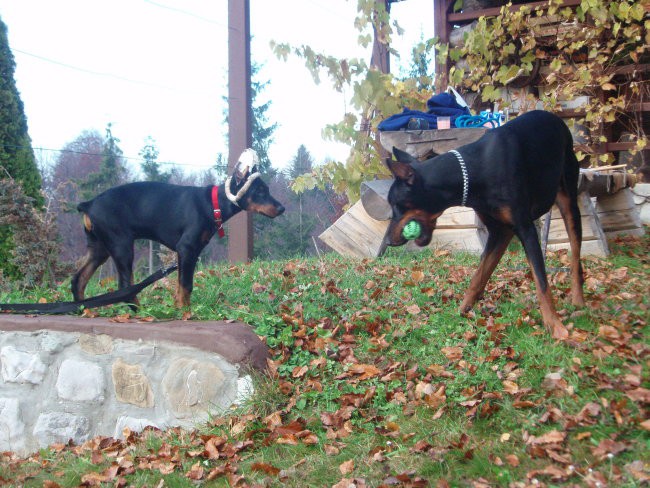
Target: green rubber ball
412, 230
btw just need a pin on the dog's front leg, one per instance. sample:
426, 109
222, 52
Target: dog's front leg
187, 258
499, 236
528, 235
185, 285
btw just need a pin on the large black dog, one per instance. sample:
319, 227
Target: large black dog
510, 176
183, 218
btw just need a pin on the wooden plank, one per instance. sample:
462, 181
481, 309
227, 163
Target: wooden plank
618, 214
460, 17
356, 234
592, 247
621, 200
422, 143
470, 240
458, 217
557, 231
594, 241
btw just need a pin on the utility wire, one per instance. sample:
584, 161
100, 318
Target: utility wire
104, 74
185, 12
131, 158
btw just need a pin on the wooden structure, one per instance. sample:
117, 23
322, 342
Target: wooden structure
606, 205
240, 123
423, 143
447, 22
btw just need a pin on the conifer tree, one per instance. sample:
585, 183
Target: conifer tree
17, 160
111, 172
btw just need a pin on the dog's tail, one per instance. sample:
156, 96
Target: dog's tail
84, 206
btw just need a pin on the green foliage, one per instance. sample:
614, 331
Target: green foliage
262, 130
576, 52
307, 214
371, 362
111, 171
375, 96
150, 166
34, 235
16, 156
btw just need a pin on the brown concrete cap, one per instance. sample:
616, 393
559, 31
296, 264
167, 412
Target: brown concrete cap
235, 341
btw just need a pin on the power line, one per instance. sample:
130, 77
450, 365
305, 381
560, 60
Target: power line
185, 12
104, 74
71, 151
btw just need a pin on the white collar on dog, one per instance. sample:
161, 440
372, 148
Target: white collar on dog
242, 191
463, 168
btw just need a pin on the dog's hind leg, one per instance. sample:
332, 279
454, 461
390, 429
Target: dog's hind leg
96, 256
499, 235
122, 255
528, 235
568, 206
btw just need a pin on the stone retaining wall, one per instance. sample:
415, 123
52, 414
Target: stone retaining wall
68, 378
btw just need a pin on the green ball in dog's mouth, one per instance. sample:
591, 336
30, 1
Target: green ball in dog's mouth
412, 230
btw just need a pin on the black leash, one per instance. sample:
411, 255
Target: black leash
127, 294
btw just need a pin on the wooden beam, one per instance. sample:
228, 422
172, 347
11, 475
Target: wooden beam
470, 15
240, 114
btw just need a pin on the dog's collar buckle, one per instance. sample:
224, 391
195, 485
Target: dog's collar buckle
463, 169
218, 220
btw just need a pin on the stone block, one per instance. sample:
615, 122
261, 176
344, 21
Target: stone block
80, 381
11, 425
245, 389
133, 424
21, 366
131, 384
96, 344
54, 342
54, 427
191, 387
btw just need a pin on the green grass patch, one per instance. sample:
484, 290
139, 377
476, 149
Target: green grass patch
378, 378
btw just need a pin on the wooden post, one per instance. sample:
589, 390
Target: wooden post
380, 57
442, 31
240, 227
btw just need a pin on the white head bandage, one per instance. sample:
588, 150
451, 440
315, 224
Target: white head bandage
247, 164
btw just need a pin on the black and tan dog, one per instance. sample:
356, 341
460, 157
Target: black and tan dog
510, 177
183, 218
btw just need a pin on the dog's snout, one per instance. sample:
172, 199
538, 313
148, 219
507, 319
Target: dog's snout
280, 208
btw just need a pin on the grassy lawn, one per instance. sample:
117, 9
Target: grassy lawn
378, 381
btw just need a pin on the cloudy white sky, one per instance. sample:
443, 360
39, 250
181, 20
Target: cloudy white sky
159, 68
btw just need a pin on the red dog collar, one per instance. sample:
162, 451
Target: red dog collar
217, 211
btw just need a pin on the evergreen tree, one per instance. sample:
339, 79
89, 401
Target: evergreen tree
111, 172
420, 66
150, 166
262, 130
302, 163
17, 160
262, 138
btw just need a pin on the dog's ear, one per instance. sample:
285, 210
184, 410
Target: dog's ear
403, 156
401, 171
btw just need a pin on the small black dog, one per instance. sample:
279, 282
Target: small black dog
510, 177
183, 218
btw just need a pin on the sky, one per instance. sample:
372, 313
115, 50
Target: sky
160, 68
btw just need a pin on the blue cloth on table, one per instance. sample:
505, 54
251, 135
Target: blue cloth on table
441, 105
